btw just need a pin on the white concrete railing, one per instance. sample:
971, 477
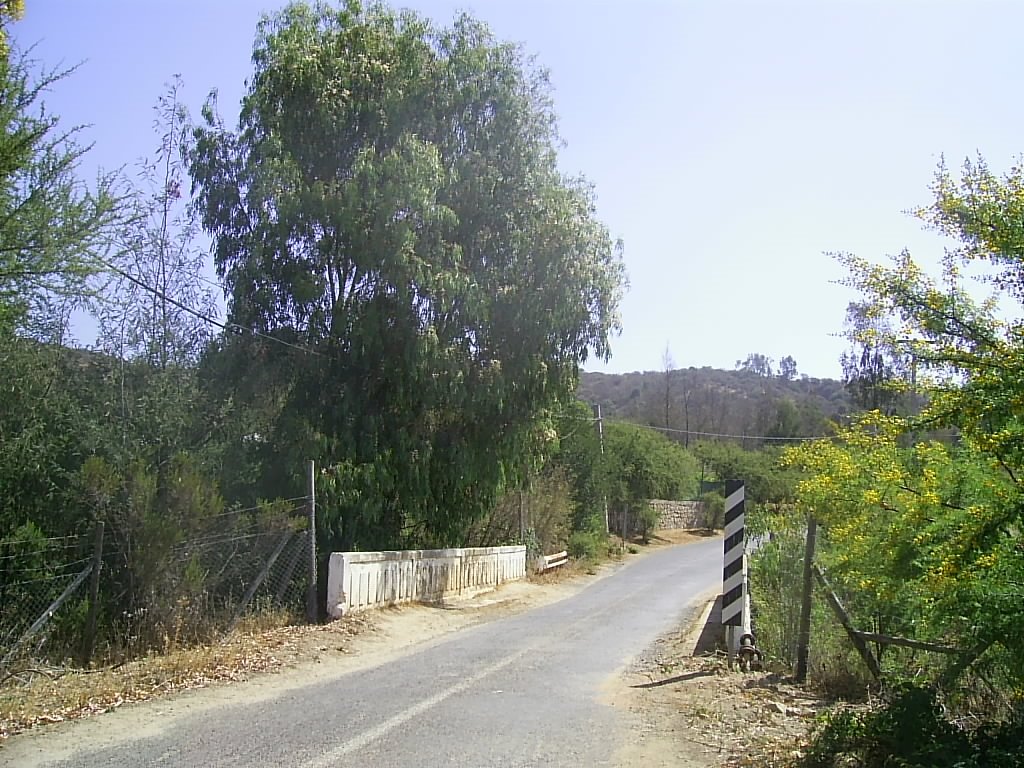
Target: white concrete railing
357, 580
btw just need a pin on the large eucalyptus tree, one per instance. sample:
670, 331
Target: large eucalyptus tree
390, 202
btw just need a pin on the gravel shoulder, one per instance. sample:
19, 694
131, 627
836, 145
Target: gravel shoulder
697, 713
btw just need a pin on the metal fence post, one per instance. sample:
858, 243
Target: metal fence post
312, 614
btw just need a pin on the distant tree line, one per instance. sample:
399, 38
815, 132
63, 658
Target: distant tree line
753, 400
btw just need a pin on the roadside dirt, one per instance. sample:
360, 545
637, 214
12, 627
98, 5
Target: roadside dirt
696, 713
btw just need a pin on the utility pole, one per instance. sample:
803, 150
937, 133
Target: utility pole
600, 438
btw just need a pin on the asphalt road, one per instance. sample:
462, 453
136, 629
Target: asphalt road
521, 691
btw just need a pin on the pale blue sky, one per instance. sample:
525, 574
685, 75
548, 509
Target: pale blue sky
731, 144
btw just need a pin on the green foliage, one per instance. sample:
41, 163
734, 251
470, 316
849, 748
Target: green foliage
647, 518
912, 534
765, 481
52, 226
911, 731
776, 579
587, 545
929, 534
921, 535
52, 233
579, 453
714, 510
644, 464
391, 200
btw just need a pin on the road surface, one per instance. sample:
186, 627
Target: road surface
525, 690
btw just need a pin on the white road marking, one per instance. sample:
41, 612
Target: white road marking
330, 758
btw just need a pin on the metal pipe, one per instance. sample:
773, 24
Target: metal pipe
749, 656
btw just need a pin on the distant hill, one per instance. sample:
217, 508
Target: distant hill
711, 400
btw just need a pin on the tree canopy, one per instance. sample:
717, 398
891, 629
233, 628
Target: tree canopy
52, 225
390, 203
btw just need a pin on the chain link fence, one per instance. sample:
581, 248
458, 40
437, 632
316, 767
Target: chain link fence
34, 573
155, 589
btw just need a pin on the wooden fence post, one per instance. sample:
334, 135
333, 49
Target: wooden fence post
804, 634
844, 618
94, 596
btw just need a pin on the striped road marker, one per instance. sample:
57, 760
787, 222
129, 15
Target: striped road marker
733, 575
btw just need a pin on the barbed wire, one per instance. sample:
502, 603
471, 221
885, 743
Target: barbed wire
74, 538
33, 553
257, 507
59, 577
41, 568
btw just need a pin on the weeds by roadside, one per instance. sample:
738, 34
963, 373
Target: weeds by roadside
910, 729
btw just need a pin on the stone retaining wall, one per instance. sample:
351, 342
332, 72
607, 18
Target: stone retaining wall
679, 514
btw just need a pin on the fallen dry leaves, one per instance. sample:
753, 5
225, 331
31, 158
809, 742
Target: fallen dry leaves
40, 696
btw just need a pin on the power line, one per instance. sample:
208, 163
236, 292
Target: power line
704, 434
206, 318
236, 326
24, 542
736, 437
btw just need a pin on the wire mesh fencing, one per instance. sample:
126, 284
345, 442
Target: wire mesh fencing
35, 573
157, 589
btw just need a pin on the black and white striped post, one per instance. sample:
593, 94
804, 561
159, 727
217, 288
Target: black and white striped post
735, 598
733, 574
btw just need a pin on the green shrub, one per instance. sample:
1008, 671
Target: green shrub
714, 510
647, 518
910, 731
586, 545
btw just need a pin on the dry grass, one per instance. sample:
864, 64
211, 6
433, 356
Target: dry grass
563, 573
696, 707
38, 696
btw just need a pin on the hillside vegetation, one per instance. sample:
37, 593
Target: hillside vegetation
713, 401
